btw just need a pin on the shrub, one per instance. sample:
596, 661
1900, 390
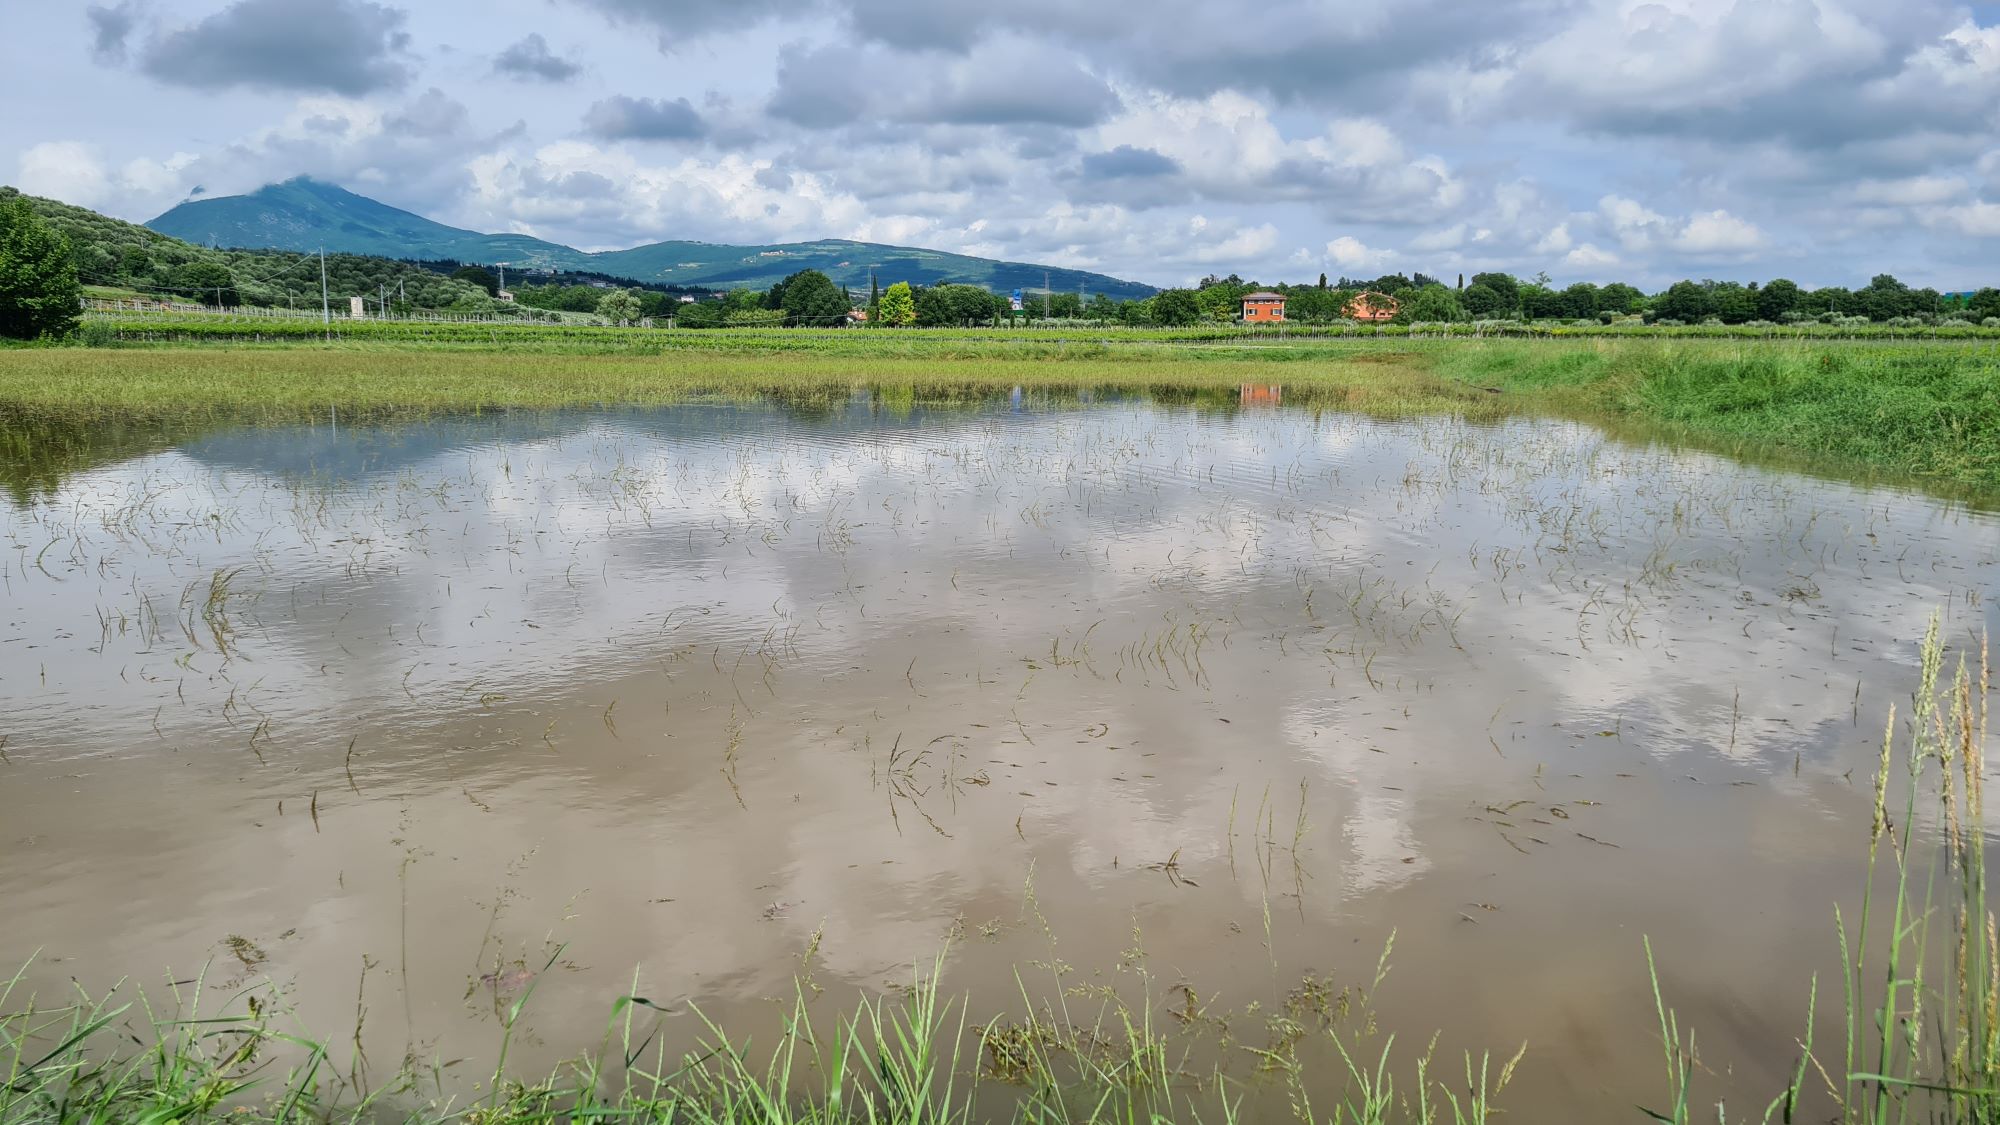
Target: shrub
98, 334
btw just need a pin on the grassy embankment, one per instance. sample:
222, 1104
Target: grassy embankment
1915, 1036
1924, 410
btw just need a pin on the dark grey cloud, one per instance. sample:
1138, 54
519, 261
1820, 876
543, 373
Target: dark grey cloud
433, 115
1127, 162
531, 60
1008, 82
819, 88
1867, 89
1021, 85
940, 23
644, 119
351, 47
1299, 50
110, 27
1130, 176
681, 21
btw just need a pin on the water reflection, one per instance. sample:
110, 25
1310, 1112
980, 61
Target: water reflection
690, 685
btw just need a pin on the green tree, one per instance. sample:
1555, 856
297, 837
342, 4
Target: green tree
1222, 298
1431, 304
39, 294
134, 264
1984, 303
654, 304
1885, 298
480, 276
1732, 302
1579, 301
1176, 307
1482, 302
701, 314
1063, 306
809, 297
898, 306
1683, 301
207, 282
1539, 302
1312, 306
1777, 299
1503, 284
742, 301
619, 307
947, 305
1620, 298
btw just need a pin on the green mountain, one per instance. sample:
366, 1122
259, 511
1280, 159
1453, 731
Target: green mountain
113, 255
303, 214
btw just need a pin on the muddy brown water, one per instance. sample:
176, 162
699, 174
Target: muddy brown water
717, 694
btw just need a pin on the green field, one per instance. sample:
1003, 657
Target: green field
1926, 411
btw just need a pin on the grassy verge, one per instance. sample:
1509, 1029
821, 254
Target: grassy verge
1917, 1035
304, 379
1925, 410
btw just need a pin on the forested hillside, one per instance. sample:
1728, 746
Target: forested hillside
111, 254
303, 214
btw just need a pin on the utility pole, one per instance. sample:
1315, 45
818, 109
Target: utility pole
382, 301
325, 308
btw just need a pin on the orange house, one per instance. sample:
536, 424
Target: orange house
1372, 307
1263, 308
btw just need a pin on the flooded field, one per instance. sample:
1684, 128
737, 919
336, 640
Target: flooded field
1112, 697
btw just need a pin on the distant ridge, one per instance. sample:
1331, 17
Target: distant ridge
305, 214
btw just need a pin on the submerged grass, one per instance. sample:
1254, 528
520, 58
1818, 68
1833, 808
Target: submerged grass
1920, 963
910, 1060
1918, 1040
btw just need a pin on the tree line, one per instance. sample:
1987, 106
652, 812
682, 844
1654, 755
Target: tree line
50, 250
1501, 296
1415, 299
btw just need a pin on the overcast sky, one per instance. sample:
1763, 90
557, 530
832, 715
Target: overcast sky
1823, 140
